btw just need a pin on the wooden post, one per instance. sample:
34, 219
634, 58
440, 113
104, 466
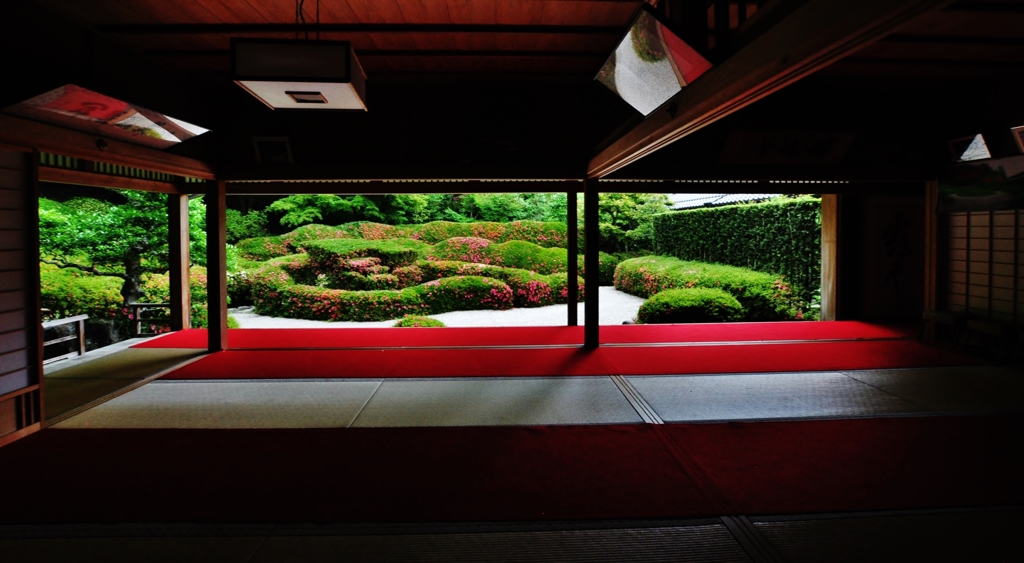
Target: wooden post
178, 245
216, 266
829, 254
34, 288
931, 246
591, 279
572, 252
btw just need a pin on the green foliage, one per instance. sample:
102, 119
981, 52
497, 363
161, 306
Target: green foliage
782, 236
197, 232
274, 292
517, 254
764, 297
250, 225
529, 289
505, 207
294, 240
332, 254
546, 234
512, 254
418, 322
125, 240
301, 209
197, 283
262, 248
67, 293
464, 293
625, 220
697, 305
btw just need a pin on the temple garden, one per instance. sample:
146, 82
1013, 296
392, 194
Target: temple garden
734, 263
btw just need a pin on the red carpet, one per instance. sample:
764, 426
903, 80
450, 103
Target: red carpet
513, 473
255, 338
608, 360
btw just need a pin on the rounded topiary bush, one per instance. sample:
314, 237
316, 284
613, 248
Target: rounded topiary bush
418, 321
464, 293
262, 248
310, 232
764, 296
547, 234
339, 253
697, 305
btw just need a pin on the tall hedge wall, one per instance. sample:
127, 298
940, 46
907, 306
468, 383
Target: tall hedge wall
781, 236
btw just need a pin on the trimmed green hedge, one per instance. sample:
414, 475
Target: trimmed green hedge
338, 253
262, 248
441, 286
782, 236
516, 254
697, 305
464, 293
764, 297
529, 289
275, 293
418, 321
546, 234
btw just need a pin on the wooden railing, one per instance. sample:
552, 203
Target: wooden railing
79, 321
136, 310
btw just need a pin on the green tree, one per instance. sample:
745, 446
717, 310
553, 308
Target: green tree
123, 241
627, 220
248, 225
303, 209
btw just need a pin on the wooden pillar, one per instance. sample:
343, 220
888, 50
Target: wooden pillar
829, 255
572, 252
931, 246
178, 260
591, 279
216, 266
20, 330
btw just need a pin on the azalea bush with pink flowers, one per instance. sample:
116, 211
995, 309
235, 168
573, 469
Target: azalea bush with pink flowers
275, 293
545, 234
358, 279
516, 254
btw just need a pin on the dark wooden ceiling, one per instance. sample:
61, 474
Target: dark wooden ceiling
967, 39
389, 36
533, 109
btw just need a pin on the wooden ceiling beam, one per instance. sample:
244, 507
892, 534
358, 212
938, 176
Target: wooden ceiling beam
84, 178
373, 187
965, 40
813, 36
48, 138
243, 28
365, 53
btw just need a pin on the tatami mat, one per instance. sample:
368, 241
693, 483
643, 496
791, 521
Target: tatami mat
974, 390
132, 363
83, 382
334, 403
486, 402
765, 396
232, 404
